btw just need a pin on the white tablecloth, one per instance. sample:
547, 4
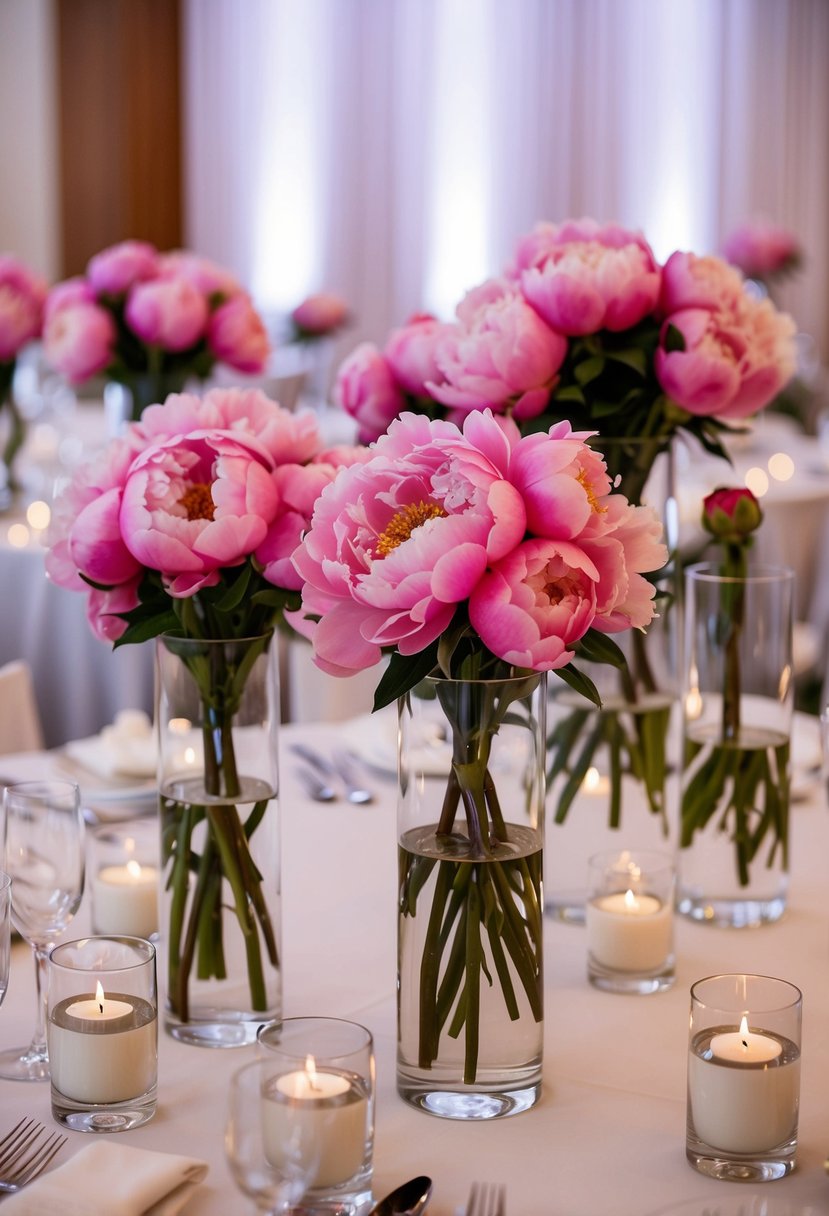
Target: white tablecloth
607, 1138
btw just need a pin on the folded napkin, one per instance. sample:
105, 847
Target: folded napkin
107, 1179
125, 749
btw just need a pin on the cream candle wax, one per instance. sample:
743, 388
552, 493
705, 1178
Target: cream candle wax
125, 899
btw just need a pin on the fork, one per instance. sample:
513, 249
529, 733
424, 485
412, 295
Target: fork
24, 1153
487, 1200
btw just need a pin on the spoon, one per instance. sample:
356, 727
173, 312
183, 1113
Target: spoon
407, 1200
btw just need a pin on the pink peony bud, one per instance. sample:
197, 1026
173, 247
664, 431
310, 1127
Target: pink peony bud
410, 352
731, 514
78, 340
320, 314
170, 313
22, 295
365, 388
113, 271
762, 250
236, 334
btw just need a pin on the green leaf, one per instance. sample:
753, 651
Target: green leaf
404, 673
571, 393
143, 630
589, 370
580, 683
674, 339
633, 357
235, 592
597, 647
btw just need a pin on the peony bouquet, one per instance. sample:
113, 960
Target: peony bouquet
185, 526
585, 325
22, 295
473, 554
151, 321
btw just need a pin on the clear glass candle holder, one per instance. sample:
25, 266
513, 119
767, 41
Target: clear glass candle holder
123, 875
630, 921
743, 1077
317, 1108
102, 1031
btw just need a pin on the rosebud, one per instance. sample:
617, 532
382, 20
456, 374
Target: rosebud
731, 515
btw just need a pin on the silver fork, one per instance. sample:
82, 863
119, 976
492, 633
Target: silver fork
24, 1153
487, 1199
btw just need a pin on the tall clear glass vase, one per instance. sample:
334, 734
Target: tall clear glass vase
614, 769
217, 714
471, 798
738, 701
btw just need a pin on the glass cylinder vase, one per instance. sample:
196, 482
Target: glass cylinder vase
217, 713
738, 702
471, 798
612, 771
125, 400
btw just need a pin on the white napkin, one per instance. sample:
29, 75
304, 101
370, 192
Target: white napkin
107, 1179
125, 749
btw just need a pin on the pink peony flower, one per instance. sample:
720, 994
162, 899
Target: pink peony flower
288, 438
735, 359
113, 271
562, 483
500, 354
581, 277
689, 281
628, 545
366, 389
206, 276
410, 353
101, 607
22, 296
535, 604
237, 336
396, 543
320, 314
170, 313
70, 291
299, 487
731, 514
762, 250
193, 504
79, 340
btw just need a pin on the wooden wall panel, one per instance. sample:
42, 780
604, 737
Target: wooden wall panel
119, 124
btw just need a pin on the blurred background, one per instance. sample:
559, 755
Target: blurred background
393, 150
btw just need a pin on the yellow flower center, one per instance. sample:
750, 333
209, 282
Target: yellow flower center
198, 502
584, 482
403, 524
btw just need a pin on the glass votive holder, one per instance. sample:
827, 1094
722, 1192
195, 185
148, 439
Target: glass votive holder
123, 874
102, 1033
630, 921
743, 1077
318, 1108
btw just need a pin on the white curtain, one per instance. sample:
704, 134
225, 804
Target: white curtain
393, 150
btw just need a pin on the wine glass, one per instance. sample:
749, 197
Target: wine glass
44, 856
5, 931
273, 1156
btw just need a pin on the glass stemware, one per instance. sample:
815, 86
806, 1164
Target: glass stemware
273, 1158
44, 857
5, 931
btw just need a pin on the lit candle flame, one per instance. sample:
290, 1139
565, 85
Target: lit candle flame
311, 1072
99, 996
189, 755
744, 1031
630, 900
134, 868
591, 779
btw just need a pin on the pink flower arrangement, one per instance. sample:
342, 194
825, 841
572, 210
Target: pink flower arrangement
319, 316
201, 493
587, 326
22, 295
762, 250
151, 321
518, 544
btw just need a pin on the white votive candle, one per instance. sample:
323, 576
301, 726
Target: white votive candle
743, 1088
125, 899
629, 932
317, 1120
102, 1048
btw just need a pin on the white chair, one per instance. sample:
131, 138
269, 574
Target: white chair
20, 729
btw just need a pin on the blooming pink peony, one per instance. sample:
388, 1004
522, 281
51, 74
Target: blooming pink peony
206, 276
535, 604
320, 314
410, 353
70, 291
561, 482
298, 487
22, 295
113, 271
102, 608
689, 281
366, 389
500, 354
626, 545
761, 249
237, 336
581, 277
193, 504
736, 359
79, 340
170, 313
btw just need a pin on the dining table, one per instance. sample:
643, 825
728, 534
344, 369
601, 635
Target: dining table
607, 1137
